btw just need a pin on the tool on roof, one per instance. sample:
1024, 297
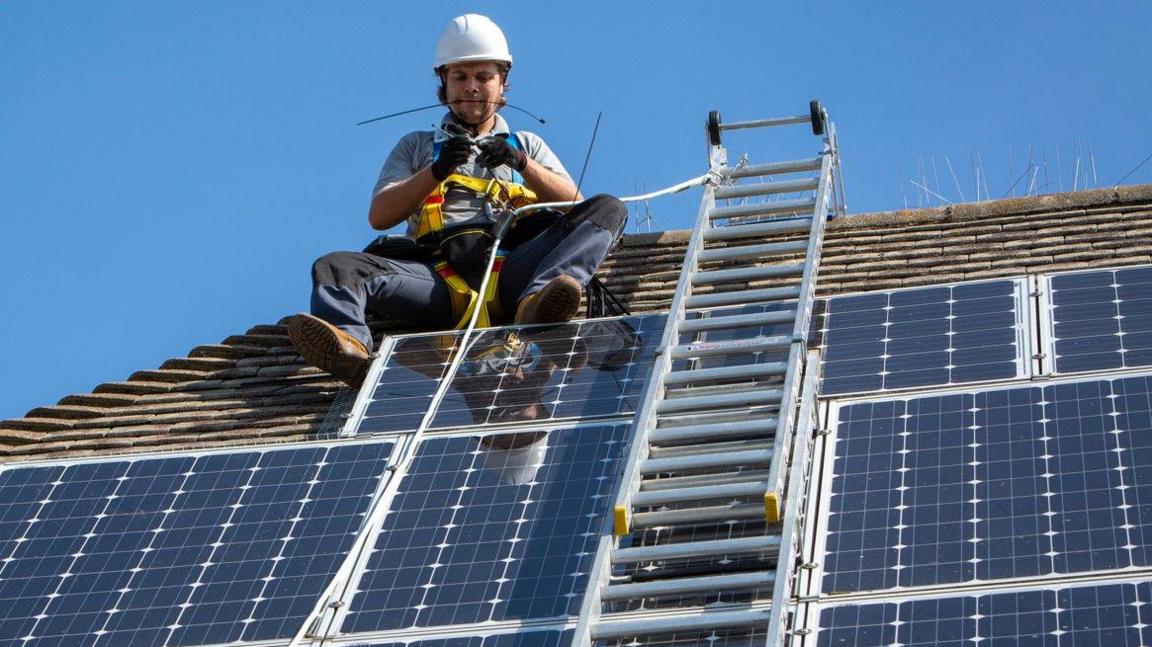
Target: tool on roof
708, 476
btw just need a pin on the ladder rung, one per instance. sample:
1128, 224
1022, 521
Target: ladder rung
806, 205
746, 274
675, 482
753, 251
774, 168
713, 432
700, 449
740, 297
738, 321
659, 588
725, 373
729, 459
691, 516
767, 123
689, 419
740, 399
730, 347
758, 229
766, 188
626, 628
769, 544
699, 493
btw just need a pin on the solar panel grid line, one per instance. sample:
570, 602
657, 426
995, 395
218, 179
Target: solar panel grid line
208, 561
31, 635
155, 532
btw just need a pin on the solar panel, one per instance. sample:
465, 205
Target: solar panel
489, 528
1105, 614
179, 550
580, 370
1008, 483
950, 334
1102, 319
537, 638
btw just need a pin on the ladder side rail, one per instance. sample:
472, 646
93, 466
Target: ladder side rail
653, 391
783, 439
800, 471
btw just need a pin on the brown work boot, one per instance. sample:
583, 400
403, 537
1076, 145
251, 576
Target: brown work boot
328, 348
556, 302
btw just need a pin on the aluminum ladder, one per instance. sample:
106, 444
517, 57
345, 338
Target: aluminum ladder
698, 517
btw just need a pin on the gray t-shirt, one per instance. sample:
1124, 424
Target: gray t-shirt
414, 152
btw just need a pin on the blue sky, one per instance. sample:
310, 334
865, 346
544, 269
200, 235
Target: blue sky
168, 171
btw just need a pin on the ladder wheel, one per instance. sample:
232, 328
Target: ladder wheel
816, 114
714, 128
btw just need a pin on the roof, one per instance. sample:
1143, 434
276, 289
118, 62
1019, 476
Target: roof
255, 388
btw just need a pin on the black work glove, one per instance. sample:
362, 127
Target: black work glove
454, 151
496, 151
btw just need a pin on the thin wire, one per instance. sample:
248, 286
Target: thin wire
588, 155
438, 105
1134, 170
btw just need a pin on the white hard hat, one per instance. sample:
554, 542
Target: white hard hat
471, 37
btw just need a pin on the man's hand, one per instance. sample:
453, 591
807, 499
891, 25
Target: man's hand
454, 151
496, 151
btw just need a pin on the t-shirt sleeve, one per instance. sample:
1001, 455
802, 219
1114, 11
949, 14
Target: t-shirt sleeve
537, 149
406, 159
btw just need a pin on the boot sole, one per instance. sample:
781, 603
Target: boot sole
557, 302
321, 348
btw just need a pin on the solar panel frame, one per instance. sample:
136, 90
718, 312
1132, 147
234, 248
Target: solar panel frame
135, 513
1070, 345
920, 370
1075, 612
343, 618
1074, 531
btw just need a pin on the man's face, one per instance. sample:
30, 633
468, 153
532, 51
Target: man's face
474, 90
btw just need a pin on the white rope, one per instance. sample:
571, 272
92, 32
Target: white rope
675, 188
441, 391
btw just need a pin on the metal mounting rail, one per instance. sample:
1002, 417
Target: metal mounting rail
710, 475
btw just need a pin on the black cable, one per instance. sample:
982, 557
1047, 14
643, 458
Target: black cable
437, 105
1135, 169
588, 155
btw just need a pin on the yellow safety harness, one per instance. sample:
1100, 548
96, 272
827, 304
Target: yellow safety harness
500, 195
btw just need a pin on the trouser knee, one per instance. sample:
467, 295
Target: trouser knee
603, 210
336, 268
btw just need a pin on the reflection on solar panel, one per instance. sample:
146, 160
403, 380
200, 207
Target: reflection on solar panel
547, 638
1102, 320
990, 485
1110, 614
929, 336
498, 527
183, 550
585, 370
742, 637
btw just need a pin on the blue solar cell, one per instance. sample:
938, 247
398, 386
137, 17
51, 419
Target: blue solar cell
490, 528
178, 550
1102, 319
579, 370
990, 485
1104, 614
922, 337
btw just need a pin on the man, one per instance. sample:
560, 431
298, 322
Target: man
445, 183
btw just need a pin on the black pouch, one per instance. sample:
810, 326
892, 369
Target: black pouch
400, 248
466, 250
